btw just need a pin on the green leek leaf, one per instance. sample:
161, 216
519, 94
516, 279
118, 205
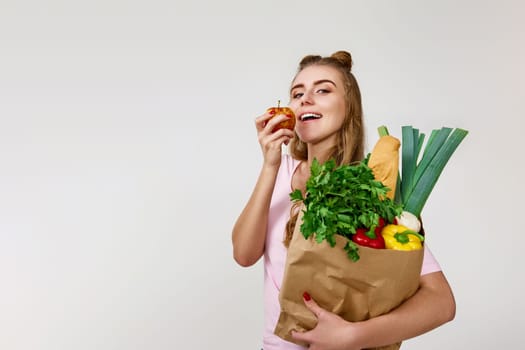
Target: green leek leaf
408, 164
430, 174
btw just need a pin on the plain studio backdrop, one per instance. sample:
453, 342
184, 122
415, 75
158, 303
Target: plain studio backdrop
128, 149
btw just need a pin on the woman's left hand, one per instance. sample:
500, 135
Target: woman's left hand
331, 332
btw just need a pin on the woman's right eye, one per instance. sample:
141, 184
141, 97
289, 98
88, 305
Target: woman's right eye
297, 95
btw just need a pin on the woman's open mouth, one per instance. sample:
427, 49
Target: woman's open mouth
309, 116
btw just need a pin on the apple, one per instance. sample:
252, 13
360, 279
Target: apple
287, 111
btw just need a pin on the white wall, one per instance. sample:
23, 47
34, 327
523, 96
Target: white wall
127, 150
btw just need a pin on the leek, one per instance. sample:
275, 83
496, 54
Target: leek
418, 177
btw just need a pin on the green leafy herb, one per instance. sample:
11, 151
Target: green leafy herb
339, 200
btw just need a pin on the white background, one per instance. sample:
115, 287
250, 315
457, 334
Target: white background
127, 150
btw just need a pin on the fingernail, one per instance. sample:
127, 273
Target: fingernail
271, 112
306, 296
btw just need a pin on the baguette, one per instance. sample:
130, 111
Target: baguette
384, 162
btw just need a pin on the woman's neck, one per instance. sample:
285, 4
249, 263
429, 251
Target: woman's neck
320, 152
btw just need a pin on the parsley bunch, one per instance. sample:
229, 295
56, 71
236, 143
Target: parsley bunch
339, 200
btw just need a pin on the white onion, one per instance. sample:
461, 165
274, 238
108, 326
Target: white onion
409, 220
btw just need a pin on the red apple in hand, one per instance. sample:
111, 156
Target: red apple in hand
287, 124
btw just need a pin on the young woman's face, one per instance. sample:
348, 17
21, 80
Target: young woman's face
318, 100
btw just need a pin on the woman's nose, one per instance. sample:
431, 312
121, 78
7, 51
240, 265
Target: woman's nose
306, 99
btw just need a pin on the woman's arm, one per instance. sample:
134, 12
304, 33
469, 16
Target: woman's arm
431, 306
249, 231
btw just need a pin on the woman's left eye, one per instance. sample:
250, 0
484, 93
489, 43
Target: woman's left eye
323, 91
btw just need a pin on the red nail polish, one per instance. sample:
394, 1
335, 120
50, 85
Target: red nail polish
271, 112
306, 296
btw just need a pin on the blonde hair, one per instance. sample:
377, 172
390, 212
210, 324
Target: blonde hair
349, 147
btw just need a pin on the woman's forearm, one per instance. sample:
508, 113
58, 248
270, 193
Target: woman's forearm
249, 232
431, 306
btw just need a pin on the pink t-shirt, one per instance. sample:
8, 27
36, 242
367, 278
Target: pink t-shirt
275, 255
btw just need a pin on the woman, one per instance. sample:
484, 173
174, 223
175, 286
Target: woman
327, 103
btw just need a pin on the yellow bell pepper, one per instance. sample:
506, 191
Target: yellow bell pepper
399, 237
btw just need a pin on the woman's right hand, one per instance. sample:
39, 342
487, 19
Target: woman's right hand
271, 142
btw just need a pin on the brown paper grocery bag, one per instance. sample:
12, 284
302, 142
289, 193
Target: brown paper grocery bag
375, 284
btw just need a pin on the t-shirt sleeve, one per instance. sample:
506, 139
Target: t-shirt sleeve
430, 263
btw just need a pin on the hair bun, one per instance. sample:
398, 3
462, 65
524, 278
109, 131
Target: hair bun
344, 58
